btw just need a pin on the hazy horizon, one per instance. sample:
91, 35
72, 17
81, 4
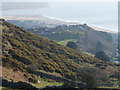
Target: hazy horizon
100, 14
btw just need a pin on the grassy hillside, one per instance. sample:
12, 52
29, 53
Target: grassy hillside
85, 36
23, 51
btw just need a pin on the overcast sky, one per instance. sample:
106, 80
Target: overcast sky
60, 0
23, 5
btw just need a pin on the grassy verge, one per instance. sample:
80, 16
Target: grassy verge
43, 83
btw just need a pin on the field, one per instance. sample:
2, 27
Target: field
64, 42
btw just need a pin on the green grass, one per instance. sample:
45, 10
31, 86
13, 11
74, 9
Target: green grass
64, 42
1, 87
109, 87
44, 83
7, 88
47, 82
51, 73
89, 54
114, 80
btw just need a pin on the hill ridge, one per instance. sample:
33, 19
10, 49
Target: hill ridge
26, 51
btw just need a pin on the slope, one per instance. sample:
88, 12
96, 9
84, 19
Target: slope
24, 51
87, 38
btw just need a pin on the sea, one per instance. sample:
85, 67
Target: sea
99, 14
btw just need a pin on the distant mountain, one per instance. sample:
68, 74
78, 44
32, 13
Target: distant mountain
86, 37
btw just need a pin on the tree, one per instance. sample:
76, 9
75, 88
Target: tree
72, 45
99, 47
92, 77
102, 56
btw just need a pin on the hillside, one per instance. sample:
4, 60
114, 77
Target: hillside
86, 37
24, 51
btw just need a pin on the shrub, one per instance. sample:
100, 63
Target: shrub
33, 79
99, 47
31, 68
72, 45
92, 76
102, 56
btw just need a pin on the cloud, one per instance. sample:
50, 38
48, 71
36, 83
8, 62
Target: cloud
23, 5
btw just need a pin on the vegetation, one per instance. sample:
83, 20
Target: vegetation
22, 52
43, 83
99, 47
102, 56
88, 39
7, 88
64, 42
72, 45
93, 77
25, 51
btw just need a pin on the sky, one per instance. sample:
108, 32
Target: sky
101, 14
59, 0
